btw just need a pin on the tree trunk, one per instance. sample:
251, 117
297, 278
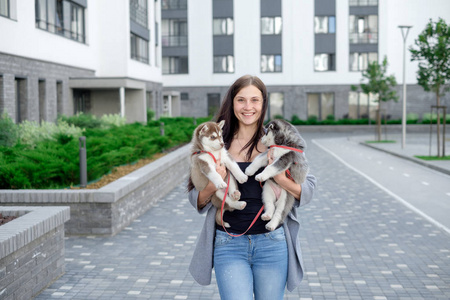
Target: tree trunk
379, 121
438, 125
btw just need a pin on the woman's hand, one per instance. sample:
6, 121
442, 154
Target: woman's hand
220, 168
282, 180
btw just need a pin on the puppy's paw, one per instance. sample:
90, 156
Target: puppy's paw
250, 171
241, 178
221, 185
260, 178
236, 195
226, 225
242, 204
271, 226
266, 217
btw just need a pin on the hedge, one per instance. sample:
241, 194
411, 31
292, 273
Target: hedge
54, 163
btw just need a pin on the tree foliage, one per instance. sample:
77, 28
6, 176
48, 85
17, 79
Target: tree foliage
433, 54
379, 84
432, 50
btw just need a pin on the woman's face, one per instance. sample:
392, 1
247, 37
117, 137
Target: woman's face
247, 105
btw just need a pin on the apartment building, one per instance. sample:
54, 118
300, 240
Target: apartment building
69, 56
309, 53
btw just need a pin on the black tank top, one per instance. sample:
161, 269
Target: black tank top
240, 220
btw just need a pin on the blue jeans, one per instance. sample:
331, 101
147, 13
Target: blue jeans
251, 264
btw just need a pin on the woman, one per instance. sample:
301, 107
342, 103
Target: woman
259, 263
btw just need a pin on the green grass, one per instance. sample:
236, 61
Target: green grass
381, 142
432, 157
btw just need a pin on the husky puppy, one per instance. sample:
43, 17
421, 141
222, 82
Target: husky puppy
207, 143
277, 202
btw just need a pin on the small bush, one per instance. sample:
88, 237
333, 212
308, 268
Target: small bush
111, 120
8, 131
412, 118
82, 120
150, 115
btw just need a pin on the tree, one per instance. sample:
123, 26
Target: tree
378, 83
433, 54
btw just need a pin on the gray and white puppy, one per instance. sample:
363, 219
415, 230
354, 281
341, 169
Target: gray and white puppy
277, 202
206, 141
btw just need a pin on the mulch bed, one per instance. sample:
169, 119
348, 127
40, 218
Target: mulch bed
6, 219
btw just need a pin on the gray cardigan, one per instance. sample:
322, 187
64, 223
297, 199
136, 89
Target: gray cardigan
202, 260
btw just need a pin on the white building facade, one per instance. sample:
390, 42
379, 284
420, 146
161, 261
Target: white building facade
68, 56
308, 53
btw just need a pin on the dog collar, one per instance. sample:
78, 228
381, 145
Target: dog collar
286, 147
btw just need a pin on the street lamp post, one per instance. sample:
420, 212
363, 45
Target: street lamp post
405, 30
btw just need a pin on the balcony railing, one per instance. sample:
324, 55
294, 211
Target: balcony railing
363, 2
174, 40
173, 4
364, 38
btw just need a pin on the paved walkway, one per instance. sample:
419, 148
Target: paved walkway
361, 238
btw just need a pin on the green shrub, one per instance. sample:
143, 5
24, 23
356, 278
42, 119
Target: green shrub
150, 115
110, 120
31, 133
82, 120
412, 118
8, 131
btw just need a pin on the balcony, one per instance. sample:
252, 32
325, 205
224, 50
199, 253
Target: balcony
364, 38
174, 40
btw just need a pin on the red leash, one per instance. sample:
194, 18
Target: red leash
201, 151
223, 204
225, 197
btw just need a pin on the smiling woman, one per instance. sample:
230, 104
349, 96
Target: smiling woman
260, 271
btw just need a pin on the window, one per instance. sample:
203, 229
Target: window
223, 26
271, 25
174, 32
173, 4
61, 17
325, 24
271, 63
320, 105
139, 48
363, 29
361, 106
4, 8
224, 64
139, 12
360, 61
276, 103
363, 2
184, 96
175, 65
213, 104
324, 62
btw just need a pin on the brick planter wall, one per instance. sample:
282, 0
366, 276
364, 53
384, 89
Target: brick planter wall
108, 210
31, 250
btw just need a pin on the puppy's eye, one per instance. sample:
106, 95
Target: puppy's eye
213, 138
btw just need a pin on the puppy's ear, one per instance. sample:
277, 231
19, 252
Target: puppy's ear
204, 129
271, 126
221, 123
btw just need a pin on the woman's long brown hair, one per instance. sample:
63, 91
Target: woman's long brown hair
226, 113
231, 126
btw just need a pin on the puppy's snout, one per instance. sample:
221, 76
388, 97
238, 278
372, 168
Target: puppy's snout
221, 144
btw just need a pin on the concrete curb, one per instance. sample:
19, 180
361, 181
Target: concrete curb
413, 159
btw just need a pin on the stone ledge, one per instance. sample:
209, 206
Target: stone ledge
108, 210
33, 222
31, 250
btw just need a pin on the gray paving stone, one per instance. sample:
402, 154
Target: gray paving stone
358, 242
